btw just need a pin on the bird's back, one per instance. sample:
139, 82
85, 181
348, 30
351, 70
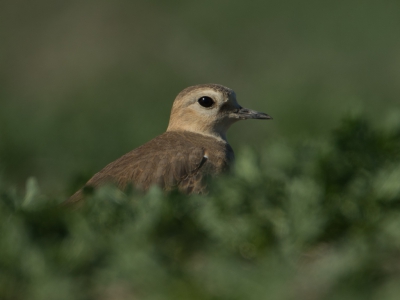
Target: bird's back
175, 159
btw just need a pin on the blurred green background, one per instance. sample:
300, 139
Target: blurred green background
312, 214
83, 82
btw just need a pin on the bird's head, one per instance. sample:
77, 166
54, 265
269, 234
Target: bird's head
208, 109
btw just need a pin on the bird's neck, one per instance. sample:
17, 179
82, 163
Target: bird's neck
219, 135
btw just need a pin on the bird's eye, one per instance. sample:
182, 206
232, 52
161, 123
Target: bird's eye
206, 101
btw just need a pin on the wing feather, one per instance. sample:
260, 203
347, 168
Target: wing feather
169, 161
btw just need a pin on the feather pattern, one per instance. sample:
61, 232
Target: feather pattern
172, 160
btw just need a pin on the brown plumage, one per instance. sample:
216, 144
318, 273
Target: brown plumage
193, 146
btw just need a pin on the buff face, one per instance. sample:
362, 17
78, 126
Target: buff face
209, 110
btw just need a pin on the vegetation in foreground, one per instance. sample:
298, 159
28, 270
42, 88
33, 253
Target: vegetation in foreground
297, 221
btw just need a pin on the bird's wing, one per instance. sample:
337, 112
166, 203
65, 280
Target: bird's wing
179, 167
167, 162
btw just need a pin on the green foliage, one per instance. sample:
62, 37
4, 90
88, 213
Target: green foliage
302, 220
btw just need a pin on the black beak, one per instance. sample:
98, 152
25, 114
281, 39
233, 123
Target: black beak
245, 113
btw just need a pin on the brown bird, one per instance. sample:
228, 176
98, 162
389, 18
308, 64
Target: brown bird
193, 146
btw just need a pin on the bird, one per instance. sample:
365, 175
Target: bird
193, 147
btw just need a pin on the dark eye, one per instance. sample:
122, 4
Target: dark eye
206, 101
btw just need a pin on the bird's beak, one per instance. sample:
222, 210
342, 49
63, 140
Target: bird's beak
245, 113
